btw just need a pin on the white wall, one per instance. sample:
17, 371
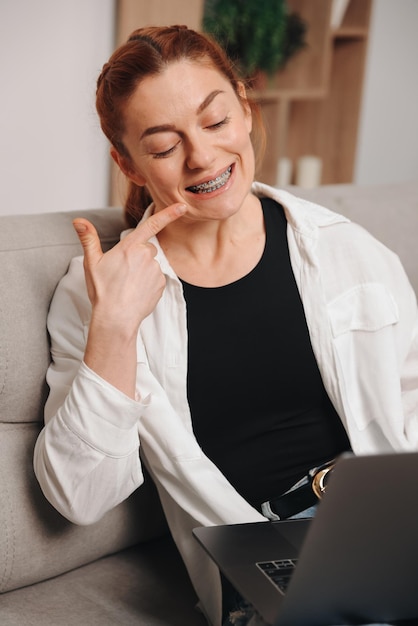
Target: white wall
388, 137
52, 153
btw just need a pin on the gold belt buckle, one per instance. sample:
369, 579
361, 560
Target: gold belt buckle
320, 479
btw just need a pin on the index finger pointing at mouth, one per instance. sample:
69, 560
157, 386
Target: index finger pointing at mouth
157, 222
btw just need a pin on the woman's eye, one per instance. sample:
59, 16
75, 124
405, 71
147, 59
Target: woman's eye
220, 124
164, 153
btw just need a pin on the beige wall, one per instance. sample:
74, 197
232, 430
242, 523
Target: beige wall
388, 136
52, 155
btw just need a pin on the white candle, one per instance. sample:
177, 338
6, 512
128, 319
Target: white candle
284, 172
309, 170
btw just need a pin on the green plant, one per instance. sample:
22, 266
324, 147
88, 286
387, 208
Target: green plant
257, 34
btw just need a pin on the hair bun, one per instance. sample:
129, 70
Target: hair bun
106, 67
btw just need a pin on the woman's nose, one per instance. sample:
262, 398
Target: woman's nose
200, 153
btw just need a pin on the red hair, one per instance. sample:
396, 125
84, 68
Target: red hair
146, 53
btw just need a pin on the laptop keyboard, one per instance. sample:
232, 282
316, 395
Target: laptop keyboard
278, 572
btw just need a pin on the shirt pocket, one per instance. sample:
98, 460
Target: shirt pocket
362, 321
369, 307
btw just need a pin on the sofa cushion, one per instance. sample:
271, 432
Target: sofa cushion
146, 585
36, 542
35, 251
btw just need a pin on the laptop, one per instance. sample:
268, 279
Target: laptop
356, 562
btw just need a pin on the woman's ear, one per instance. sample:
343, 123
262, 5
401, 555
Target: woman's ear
242, 92
124, 165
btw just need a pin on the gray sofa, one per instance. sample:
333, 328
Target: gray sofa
124, 569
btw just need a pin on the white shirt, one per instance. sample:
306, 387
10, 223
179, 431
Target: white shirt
362, 318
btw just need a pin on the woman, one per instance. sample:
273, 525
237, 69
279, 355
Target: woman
239, 335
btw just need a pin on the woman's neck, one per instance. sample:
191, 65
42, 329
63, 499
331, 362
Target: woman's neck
216, 252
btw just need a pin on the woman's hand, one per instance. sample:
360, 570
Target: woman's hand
125, 283
124, 286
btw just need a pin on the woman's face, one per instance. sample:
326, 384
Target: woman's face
188, 137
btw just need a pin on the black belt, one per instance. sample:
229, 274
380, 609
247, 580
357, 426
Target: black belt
306, 493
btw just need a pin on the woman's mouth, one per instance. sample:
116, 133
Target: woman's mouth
212, 185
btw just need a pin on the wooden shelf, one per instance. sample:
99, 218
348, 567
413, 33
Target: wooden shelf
132, 14
313, 106
308, 70
357, 15
350, 32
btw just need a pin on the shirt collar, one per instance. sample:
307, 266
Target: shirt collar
304, 216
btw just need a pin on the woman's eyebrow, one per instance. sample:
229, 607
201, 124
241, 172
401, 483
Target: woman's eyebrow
206, 102
166, 128
162, 128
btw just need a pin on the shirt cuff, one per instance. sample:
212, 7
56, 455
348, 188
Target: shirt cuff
102, 416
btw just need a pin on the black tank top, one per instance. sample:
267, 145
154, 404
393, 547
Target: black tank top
259, 408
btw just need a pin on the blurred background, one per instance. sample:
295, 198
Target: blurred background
348, 98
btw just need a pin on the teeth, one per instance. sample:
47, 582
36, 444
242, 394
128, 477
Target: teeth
212, 185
